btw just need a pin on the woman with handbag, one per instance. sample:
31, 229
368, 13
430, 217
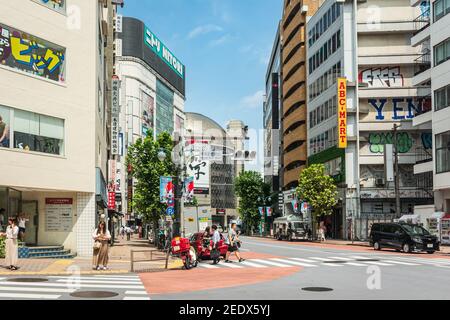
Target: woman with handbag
11, 246
101, 241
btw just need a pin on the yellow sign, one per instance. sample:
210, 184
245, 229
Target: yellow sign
342, 112
191, 219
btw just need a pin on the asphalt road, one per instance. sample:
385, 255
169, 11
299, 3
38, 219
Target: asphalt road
350, 272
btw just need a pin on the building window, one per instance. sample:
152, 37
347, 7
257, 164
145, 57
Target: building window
442, 98
4, 126
324, 23
440, 9
442, 52
34, 132
443, 152
326, 51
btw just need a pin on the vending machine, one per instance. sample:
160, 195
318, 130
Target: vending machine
434, 222
445, 229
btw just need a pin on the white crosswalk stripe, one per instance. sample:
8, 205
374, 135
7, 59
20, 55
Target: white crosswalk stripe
231, 265
401, 262
254, 265
303, 260
269, 262
60, 287
207, 265
296, 263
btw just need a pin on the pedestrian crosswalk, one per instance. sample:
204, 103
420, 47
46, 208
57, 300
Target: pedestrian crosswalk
123, 287
332, 261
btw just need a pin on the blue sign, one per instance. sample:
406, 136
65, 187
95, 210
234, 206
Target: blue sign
170, 211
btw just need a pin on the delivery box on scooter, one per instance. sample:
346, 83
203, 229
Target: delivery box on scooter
180, 245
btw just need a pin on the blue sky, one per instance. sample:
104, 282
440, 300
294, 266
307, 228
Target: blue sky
225, 46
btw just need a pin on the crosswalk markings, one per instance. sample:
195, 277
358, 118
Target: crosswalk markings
321, 259
59, 285
207, 266
296, 263
254, 265
269, 262
304, 260
231, 265
29, 296
341, 258
356, 264
401, 262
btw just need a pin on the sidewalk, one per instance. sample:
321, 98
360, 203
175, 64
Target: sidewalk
444, 249
119, 262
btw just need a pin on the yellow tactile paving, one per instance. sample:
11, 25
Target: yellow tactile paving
57, 266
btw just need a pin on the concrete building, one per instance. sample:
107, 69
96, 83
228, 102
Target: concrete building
293, 59
152, 96
54, 109
214, 157
272, 109
432, 76
368, 44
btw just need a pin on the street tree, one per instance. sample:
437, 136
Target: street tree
318, 190
146, 169
249, 187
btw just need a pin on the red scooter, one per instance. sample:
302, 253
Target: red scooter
182, 248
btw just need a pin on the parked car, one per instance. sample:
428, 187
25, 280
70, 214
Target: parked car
402, 236
203, 252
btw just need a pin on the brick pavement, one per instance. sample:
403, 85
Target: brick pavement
119, 262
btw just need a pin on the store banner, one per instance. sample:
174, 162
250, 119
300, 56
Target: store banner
261, 211
115, 110
166, 189
111, 201
342, 112
189, 189
269, 211
304, 207
295, 205
112, 172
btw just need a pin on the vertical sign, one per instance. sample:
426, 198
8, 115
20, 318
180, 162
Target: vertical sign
115, 116
342, 112
166, 189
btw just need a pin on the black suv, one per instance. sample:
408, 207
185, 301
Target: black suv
402, 236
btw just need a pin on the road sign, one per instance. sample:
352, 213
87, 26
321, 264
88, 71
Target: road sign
170, 211
170, 202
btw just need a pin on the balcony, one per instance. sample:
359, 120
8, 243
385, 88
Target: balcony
422, 63
422, 21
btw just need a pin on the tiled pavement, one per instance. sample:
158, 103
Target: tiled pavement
119, 262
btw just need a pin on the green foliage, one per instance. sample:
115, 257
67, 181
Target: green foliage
249, 187
318, 189
147, 170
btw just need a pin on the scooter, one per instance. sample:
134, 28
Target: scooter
182, 248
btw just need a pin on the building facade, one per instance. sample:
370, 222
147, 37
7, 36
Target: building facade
54, 137
152, 95
272, 122
368, 44
432, 76
294, 72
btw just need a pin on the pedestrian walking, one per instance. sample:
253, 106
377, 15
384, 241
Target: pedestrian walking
234, 243
101, 247
122, 232
11, 246
22, 220
128, 232
215, 253
322, 230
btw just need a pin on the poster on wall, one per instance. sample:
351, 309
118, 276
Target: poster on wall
30, 54
57, 5
148, 109
58, 214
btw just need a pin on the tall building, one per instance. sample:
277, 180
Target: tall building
368, 44
210, 159
54, 114
151, 97
432, 77
293, 115
272, 121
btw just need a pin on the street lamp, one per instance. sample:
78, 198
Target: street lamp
264, 200
162, 155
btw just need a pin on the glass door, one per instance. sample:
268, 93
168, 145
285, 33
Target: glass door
30, 211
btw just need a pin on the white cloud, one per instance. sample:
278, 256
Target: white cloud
253, 101
219, 41
205, 29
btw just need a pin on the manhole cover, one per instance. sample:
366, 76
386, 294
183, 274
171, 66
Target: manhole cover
28, 280
334, 261
367, 260
94, 294
317, 289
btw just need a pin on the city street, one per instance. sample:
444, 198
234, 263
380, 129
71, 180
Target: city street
279, 270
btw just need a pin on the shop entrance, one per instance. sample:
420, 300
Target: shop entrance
31, 211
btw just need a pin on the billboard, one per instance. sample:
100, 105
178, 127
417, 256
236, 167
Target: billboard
342, 112
30, 54
148, 112
199, 169
189, 189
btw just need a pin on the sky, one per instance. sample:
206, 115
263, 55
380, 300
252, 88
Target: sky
225, 46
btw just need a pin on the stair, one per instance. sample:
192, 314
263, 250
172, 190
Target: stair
51, 252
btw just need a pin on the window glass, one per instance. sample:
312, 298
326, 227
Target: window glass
439, 53
443, 152
4, 127
439, 9
441, 98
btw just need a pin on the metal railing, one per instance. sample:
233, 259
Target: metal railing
422, 63
422, 21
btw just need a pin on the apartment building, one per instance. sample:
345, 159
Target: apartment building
432, 76
367, 43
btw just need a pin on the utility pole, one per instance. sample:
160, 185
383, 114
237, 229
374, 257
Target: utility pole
397, 173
